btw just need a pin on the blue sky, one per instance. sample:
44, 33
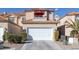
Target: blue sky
58, 11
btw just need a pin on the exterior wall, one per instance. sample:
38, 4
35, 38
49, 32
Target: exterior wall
15, 29
15, 20
66, 18
51, 16
20, 21
12, 28
29, 15
39, 25
4, 25
62, 22
67, 31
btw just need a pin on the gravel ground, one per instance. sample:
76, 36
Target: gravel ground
68, 47
12, 46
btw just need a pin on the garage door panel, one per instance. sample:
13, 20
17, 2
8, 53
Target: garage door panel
40, 33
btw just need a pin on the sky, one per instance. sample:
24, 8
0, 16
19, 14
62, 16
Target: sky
58, 11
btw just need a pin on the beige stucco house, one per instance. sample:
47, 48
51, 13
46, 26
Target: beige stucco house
39, 24
64, 31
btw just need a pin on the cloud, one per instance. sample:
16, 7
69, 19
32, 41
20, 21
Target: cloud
56, 9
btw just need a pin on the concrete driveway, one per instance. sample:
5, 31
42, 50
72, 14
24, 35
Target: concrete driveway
41, 45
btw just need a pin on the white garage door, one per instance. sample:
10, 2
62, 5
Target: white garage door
1, 34
40, 33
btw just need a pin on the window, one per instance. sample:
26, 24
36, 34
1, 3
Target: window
23, 18
11, 19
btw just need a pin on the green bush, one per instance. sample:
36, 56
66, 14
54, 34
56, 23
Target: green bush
12, 38
6, 36
15, 38
18, 39
73, 32
23, 35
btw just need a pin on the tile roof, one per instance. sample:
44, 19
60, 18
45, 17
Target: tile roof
5, 15
17, 14
73, 13
2, 18
69, 14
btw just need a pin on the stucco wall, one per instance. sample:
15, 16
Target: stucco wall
15, 19
4, 25
62, 22
30, 15
51, 16
65, 18
20, 21
15, 29
25, 26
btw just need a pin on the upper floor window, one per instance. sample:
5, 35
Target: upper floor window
23, 18
11, 19
77, 17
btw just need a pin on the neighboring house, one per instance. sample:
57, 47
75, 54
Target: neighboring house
8, 25
63, 30
39, 24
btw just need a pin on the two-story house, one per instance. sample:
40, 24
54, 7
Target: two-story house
39, 24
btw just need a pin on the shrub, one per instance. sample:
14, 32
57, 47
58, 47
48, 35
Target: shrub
12, 38
18, 39
73, 33
6, 36
23, 35
15, 38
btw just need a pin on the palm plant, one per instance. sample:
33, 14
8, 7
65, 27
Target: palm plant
73, 24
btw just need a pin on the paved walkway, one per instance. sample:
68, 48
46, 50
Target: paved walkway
41, 45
